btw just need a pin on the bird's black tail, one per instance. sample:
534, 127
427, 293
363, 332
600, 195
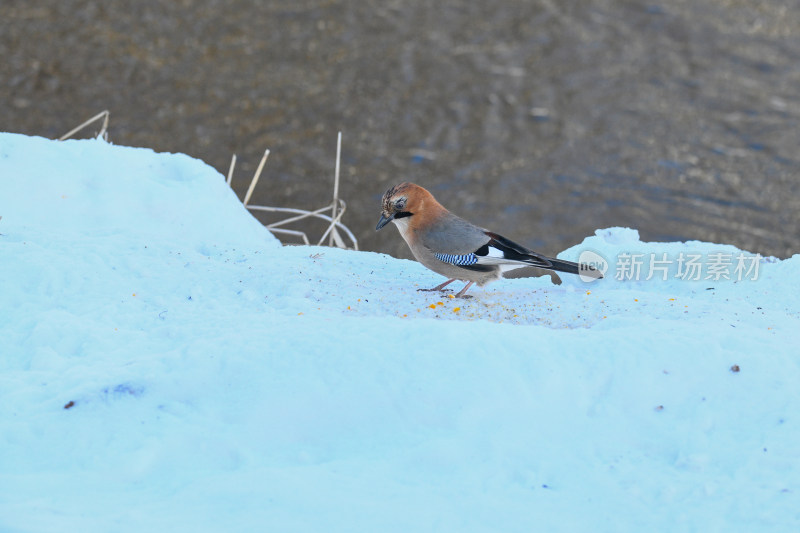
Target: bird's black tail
516, 252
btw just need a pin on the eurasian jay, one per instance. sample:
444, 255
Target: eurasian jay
456, 249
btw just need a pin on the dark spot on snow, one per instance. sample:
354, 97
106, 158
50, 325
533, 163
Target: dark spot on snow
545, 486
735, 368
69, 405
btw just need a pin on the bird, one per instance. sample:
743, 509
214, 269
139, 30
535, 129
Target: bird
456, 248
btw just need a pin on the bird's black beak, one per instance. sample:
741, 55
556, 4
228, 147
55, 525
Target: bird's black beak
383, 221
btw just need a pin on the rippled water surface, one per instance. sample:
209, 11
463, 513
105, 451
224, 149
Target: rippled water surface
541, 120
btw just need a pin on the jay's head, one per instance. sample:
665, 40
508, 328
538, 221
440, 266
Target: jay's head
401, 201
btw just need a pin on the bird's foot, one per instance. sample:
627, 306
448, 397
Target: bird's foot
440, 287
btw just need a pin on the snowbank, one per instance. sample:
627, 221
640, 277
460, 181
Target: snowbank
166, 364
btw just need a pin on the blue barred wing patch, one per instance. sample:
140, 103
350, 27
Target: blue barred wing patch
460, 260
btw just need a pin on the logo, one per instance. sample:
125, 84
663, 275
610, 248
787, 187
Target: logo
592, 259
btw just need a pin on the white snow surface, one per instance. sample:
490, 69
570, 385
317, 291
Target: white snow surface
167, 365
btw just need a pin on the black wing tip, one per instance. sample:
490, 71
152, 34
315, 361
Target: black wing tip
517, 252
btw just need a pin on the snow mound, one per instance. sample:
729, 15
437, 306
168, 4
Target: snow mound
166, 365
90, 188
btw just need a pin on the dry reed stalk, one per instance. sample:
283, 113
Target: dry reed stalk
230, 170
103, 130
337, 206
257, 175
332, 228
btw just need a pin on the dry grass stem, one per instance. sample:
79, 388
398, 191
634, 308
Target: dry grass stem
332, 228
337, 208
257, 175
230, 170
103, 130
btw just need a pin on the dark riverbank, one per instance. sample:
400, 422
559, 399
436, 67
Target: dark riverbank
543, 120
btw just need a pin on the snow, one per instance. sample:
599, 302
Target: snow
167, 365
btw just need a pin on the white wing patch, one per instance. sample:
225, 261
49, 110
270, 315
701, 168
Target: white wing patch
494, 252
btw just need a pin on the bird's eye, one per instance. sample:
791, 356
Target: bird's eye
400, 203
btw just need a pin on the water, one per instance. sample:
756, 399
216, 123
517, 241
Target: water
540, 120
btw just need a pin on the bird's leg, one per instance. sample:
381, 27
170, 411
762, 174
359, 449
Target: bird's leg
439, 287
462, 291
